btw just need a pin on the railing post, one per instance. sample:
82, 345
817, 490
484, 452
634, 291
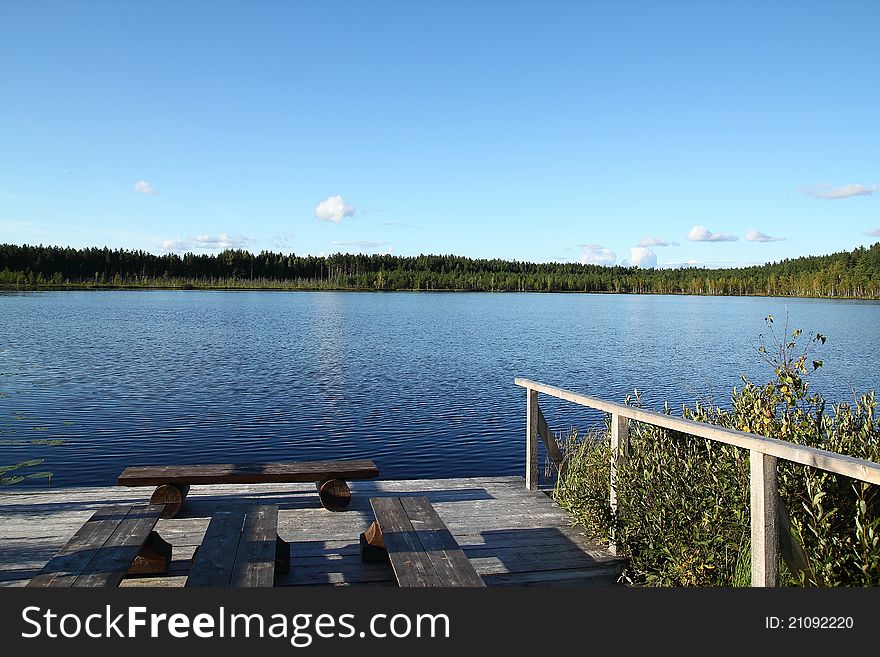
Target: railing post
532, 415
619, 450
765, 530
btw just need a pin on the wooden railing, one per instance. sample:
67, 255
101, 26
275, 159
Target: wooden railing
763, 453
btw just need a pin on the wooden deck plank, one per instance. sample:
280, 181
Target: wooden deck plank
513, 537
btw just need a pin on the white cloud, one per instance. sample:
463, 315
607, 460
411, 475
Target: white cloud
334, 208
363, 244
145, 187
207, 242
596, 254
757, 236
221, 241
679, 265
653, 241
873, 232
640, 256
825, 191
703, 234
282, 241
175, 244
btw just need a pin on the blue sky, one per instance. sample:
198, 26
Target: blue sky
568, 131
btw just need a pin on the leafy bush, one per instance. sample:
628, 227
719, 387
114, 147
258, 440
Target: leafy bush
684, 501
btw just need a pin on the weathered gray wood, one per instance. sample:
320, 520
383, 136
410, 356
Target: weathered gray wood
255, 559
215, 557
849, 466
240, 548
73, 558
105, 548
449, 561
112, 561
765, 531
534, 544
168, 581
499, 524
402, 544
421, 549
532, 412
619, 451
553, 450
607, 576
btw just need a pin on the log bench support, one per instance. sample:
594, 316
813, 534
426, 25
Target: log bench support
174, 481
422, 551
373, 544
154, 557
172, 496
335, 495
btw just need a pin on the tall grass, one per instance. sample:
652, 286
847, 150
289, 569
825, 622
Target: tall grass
683, 514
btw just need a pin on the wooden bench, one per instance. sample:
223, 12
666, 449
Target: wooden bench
115, 541
241, 548
173, 481
408, 532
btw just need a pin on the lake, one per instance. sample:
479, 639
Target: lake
422, 383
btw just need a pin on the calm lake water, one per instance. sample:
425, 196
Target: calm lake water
422, 383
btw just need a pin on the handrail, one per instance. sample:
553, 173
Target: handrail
823, 459
764, 452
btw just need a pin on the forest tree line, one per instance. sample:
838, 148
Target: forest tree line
850, 274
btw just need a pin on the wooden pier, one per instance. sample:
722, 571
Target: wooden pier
510, 532
764, 453
513, 536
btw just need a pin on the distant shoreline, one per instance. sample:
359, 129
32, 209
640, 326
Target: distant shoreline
844, 275
293, 288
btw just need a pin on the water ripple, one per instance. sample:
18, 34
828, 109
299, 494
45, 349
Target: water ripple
421, 383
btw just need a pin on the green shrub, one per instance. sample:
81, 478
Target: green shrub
684, 501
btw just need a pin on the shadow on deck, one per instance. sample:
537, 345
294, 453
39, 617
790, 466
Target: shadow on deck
513, 537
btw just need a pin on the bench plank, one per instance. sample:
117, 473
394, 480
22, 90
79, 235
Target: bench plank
420, 547
255, 561
240, 548
113, 560
63, 569
258, 473
449, 561
213, 562
103, 549
174, 481
405, 550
